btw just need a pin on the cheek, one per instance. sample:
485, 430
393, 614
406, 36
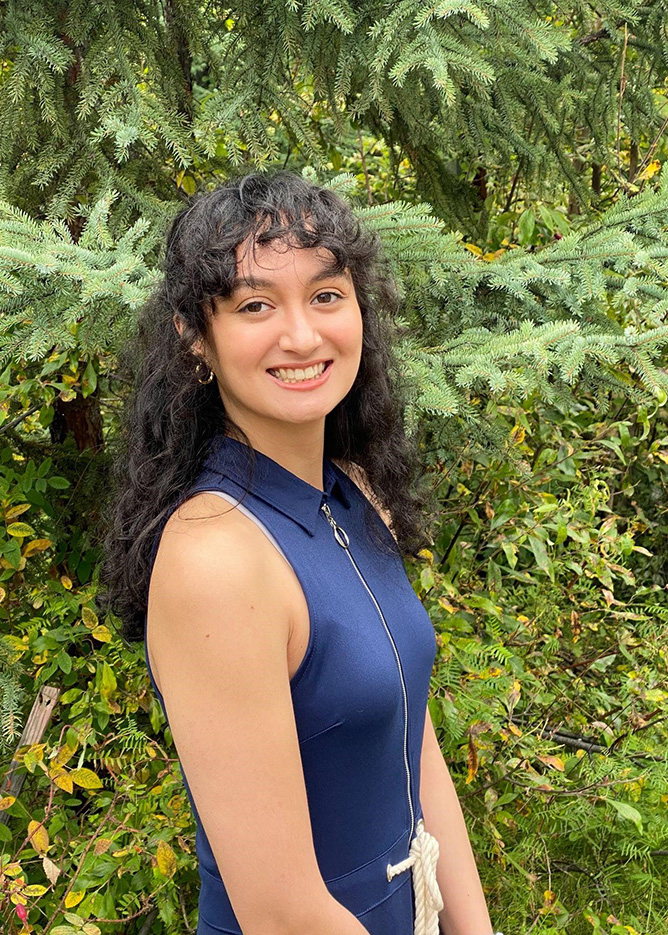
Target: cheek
240, 349
348, 333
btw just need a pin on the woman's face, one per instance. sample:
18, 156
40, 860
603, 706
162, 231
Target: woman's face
288, 312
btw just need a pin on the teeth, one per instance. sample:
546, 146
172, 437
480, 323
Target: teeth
294, 376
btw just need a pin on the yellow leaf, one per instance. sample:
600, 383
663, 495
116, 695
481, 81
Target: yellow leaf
651, 170
517, 435
425, 553
166, 859
446, 605
73, 898
35, 889
554, 761
514, 693
3, 594
12, 870
514, 729
101, 633
63, 781
66, 582
39, 836
89, 618
15, 511
20, 529
36, 545
90, 928
64, 755
472, 247
85, 778
122, 853
6, 802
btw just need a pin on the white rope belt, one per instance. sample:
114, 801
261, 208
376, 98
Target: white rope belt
422, 858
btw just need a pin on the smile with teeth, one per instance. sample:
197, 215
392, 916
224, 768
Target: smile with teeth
295, 376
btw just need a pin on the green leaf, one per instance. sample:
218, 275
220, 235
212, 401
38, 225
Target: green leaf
89, 379
64, 662
526, 227
627, 812
540, 554
107, 681
59, 483
510, 551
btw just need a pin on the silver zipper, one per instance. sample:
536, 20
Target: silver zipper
341, 537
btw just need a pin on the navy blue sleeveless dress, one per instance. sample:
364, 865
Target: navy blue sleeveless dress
359, 695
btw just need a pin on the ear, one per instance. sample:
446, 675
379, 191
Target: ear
197, 346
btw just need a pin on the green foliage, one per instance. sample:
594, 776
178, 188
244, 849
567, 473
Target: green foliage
551, 683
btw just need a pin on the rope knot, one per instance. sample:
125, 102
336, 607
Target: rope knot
422, 859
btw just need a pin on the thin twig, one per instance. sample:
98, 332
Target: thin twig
24, 415
622, 86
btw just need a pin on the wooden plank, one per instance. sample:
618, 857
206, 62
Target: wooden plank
35, 727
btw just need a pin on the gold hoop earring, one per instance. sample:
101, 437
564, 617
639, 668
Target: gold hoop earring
197, 373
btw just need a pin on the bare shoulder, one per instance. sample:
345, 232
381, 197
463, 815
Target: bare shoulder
210, 528
211, 554
359, 476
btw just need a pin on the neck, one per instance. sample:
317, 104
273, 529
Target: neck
297, 448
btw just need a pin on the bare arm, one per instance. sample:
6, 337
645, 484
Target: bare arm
219, 633
464, 908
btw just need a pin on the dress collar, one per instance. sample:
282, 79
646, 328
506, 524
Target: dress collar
275, 484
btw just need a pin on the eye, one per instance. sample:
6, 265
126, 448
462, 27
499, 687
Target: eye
249, 307
335, 294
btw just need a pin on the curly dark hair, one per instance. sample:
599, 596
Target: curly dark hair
171, 416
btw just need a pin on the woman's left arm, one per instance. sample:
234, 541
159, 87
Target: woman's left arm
464, 907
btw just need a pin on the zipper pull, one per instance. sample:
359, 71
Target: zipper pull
340, 534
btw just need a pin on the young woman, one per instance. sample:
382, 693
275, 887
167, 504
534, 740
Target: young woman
287, 647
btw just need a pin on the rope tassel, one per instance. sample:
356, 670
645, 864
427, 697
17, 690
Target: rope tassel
423, 858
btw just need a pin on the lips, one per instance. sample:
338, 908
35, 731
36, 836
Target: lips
304, 383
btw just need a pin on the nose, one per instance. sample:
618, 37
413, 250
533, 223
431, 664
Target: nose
299, 333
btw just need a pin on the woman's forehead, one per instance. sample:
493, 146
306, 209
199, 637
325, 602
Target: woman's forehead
254, 259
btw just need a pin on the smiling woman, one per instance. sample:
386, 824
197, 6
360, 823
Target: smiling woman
283, 639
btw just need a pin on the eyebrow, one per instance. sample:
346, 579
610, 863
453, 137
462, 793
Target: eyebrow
329, 269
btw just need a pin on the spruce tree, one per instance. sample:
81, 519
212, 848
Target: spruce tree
112, 114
